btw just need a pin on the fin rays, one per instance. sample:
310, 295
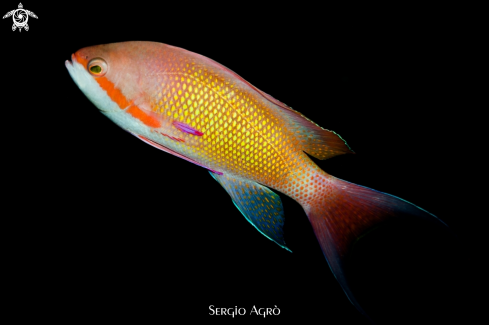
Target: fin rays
258, 204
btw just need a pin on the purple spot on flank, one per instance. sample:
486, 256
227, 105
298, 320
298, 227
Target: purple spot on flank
187, 128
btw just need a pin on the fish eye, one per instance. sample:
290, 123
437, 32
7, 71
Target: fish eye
97, 67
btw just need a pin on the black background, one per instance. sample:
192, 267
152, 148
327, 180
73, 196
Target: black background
97, 221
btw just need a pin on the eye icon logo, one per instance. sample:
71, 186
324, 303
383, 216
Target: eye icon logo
20, 17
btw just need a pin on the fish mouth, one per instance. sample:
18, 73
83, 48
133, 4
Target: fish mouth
77, 72
70, 64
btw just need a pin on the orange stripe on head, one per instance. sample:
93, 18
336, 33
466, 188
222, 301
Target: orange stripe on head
82, 59
114, 93
143, 117
118, 97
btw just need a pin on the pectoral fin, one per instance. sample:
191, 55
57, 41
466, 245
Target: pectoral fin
168, 150
259, 205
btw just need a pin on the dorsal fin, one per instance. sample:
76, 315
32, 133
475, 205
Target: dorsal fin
315, 140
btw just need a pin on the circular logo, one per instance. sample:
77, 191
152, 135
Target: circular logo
20, 17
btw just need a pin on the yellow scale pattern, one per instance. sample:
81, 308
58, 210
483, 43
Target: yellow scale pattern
242, 135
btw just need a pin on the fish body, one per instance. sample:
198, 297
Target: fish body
193, 107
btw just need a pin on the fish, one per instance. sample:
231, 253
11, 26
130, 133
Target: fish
192, 107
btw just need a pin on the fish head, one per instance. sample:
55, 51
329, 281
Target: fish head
116, 78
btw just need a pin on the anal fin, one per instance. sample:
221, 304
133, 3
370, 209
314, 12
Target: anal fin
258, 204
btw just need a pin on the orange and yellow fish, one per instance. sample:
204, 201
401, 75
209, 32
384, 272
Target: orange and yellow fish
191, 106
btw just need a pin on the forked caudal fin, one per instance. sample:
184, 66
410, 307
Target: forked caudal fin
346, 211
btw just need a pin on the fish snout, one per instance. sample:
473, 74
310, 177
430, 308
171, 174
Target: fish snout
77, 71
69, 63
